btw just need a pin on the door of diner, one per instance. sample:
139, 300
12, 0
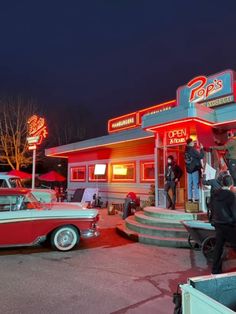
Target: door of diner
162, 154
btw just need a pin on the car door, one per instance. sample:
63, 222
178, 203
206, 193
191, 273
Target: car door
15, 224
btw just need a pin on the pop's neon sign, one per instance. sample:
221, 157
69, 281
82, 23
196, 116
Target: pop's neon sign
202, 90
37, 130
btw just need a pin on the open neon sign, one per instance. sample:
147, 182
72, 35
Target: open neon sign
177, 136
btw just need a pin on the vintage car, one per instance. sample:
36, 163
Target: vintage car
10, 181
44, 195
25, 222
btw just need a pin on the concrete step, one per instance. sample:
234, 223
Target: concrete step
157, 222
176, 215
166, 232
127, 233
149, 239
166, 242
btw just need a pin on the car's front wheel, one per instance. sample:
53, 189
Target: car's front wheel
65, 238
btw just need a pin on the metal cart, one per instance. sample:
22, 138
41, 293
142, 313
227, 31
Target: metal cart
201, 236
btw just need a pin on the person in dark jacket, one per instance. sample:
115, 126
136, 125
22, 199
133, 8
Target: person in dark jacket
224, 220
215, 184
230, 154
131, 202
193, 166
173, 174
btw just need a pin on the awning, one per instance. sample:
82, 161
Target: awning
21, 174
110, 140
52, 176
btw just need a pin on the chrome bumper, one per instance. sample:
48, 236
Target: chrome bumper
90, 233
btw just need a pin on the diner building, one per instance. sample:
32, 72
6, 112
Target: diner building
133, 154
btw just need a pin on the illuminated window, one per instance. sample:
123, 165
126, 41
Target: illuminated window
78, 173
123, 172
147, 171
100, 169
97, 172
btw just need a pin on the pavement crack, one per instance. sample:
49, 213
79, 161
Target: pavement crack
154, 282
135, 305
114, 272
61, 259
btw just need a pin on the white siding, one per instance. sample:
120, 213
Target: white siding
113, 191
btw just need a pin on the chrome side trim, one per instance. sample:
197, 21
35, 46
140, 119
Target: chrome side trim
89, 233
38, 240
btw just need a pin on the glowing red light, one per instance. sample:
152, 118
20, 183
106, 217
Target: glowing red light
37, 128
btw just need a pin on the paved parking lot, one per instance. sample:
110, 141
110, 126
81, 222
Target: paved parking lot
105, 275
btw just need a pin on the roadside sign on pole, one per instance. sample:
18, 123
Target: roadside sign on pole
37, 131
32, 147
33, 140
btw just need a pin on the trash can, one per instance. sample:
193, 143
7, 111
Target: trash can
214, 294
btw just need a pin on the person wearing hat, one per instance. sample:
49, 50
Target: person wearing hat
173, 174
193, 162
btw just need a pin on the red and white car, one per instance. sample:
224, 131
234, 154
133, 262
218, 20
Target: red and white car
25, 222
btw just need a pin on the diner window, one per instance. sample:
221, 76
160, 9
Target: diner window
78, 173
97, 172
123, 172
147, 171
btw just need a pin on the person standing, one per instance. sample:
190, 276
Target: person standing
230, 155
224, 220
193, 162
173, 174
215, 184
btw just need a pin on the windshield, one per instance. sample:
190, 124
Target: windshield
18, 202
15, 183
30, 202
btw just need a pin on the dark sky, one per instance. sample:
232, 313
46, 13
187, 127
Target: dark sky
111, 57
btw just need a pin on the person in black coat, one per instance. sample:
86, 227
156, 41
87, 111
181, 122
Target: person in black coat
215, 184
173, 174
223, 206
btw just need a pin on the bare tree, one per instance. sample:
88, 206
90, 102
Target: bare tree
68, 126
14, 113
69, 133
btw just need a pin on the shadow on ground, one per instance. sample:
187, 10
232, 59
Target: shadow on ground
108, 239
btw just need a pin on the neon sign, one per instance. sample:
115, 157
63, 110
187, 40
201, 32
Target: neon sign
220, 101
134, 120
177, 136
37, 130
122, 123
203, 90
156, 109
